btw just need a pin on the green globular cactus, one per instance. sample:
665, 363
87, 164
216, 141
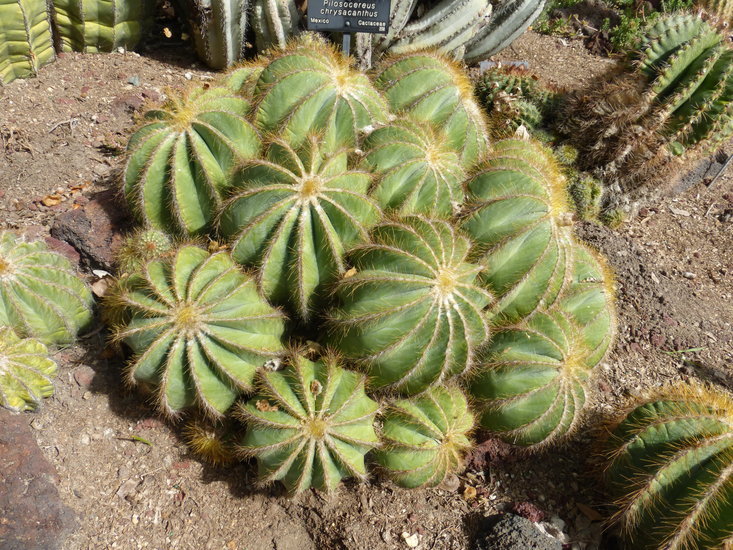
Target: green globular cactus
671, 470
274, 22
218, 28
516, 212
243, 77
425, 437
94, 26
199, 330
40, 294
416, 171
293, 215
178, 161
310, 87
25, 39
430, 88
141, 246
412, 314
26, 371
509, 20
310, 425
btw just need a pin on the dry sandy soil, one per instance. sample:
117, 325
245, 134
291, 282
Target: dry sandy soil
58, 135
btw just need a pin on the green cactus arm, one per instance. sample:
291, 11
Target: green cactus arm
274, 22
509, 20
399, 14
721, 9
26, 371
218, 28
668, 34
25, 39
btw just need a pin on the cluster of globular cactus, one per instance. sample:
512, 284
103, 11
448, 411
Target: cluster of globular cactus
26, 44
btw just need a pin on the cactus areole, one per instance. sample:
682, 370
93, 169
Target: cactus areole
348, 17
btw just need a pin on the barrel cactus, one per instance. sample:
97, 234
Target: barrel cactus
430, 88
198, 329
26, 44
26, 371
178, 161
218, 28
40, 294
671, 469
417, 173
516, 213
425, 437
310, 425
293, 216
412, 313
141, 246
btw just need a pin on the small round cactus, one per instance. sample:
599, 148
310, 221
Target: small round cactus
310, 425
178, 161
26, 371
425, 437
412, 314
293, 216
671, 469
40, 295
210, 441
199, 330
140, 247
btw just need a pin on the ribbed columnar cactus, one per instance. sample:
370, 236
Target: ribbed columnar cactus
722, 10
40, 294
274, 22
412, 314
219, 28
199, 330
293, 215
26, 371
425, 437
141, 246
25, 39
416, 171
310, 425
516, 212
178, 161
671, 470
428, 87
311, 87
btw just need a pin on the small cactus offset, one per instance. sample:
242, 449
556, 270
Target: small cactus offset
275, 22
430, 88
219, 28
178, 161
425, 437
94, 26
26, 44
671, 469
412, 314
417, 173
40, 294
141, 246
310, 425
26, 371
199, 330
293, 215
211, 440
516, 212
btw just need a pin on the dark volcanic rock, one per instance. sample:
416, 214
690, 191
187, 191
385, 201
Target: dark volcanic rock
32, 516
510, 532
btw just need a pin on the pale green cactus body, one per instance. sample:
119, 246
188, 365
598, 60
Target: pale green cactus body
293, 215
412, 314
219, 28
430, 88
40, 294
417, 173
515, 213
199, 330
178, 161
275, 22
671, 469
26, 371
141, 246
26, 44
310, 425
242, 78
425, 437
310, 87
94, 26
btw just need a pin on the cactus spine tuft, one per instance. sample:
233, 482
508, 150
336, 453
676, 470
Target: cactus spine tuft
26, 372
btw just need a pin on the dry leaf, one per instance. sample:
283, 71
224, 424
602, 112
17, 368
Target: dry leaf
167, 32
51, 200
100, 287
264, 406
350, 273
469, 493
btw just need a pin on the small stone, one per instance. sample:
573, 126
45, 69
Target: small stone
413, 541
87, 395
188, 75
84, 376
134, 80
37, 424
85, 439
689, 275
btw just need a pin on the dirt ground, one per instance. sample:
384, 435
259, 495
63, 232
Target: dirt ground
58, 137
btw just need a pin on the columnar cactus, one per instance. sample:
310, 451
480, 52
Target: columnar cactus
141, 246
93, 26
178, 161
720, 9
516, 213
219, 28
274, 22
199, 330
293, 216
417, 173
412, 314
26, 372
25, 39
671, 469
40, 294
425, 437
428, 87
310, 425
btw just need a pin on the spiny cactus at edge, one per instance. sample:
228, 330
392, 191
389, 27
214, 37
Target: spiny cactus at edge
26, 44
141, 246
218, 28
26, 371
274, 22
